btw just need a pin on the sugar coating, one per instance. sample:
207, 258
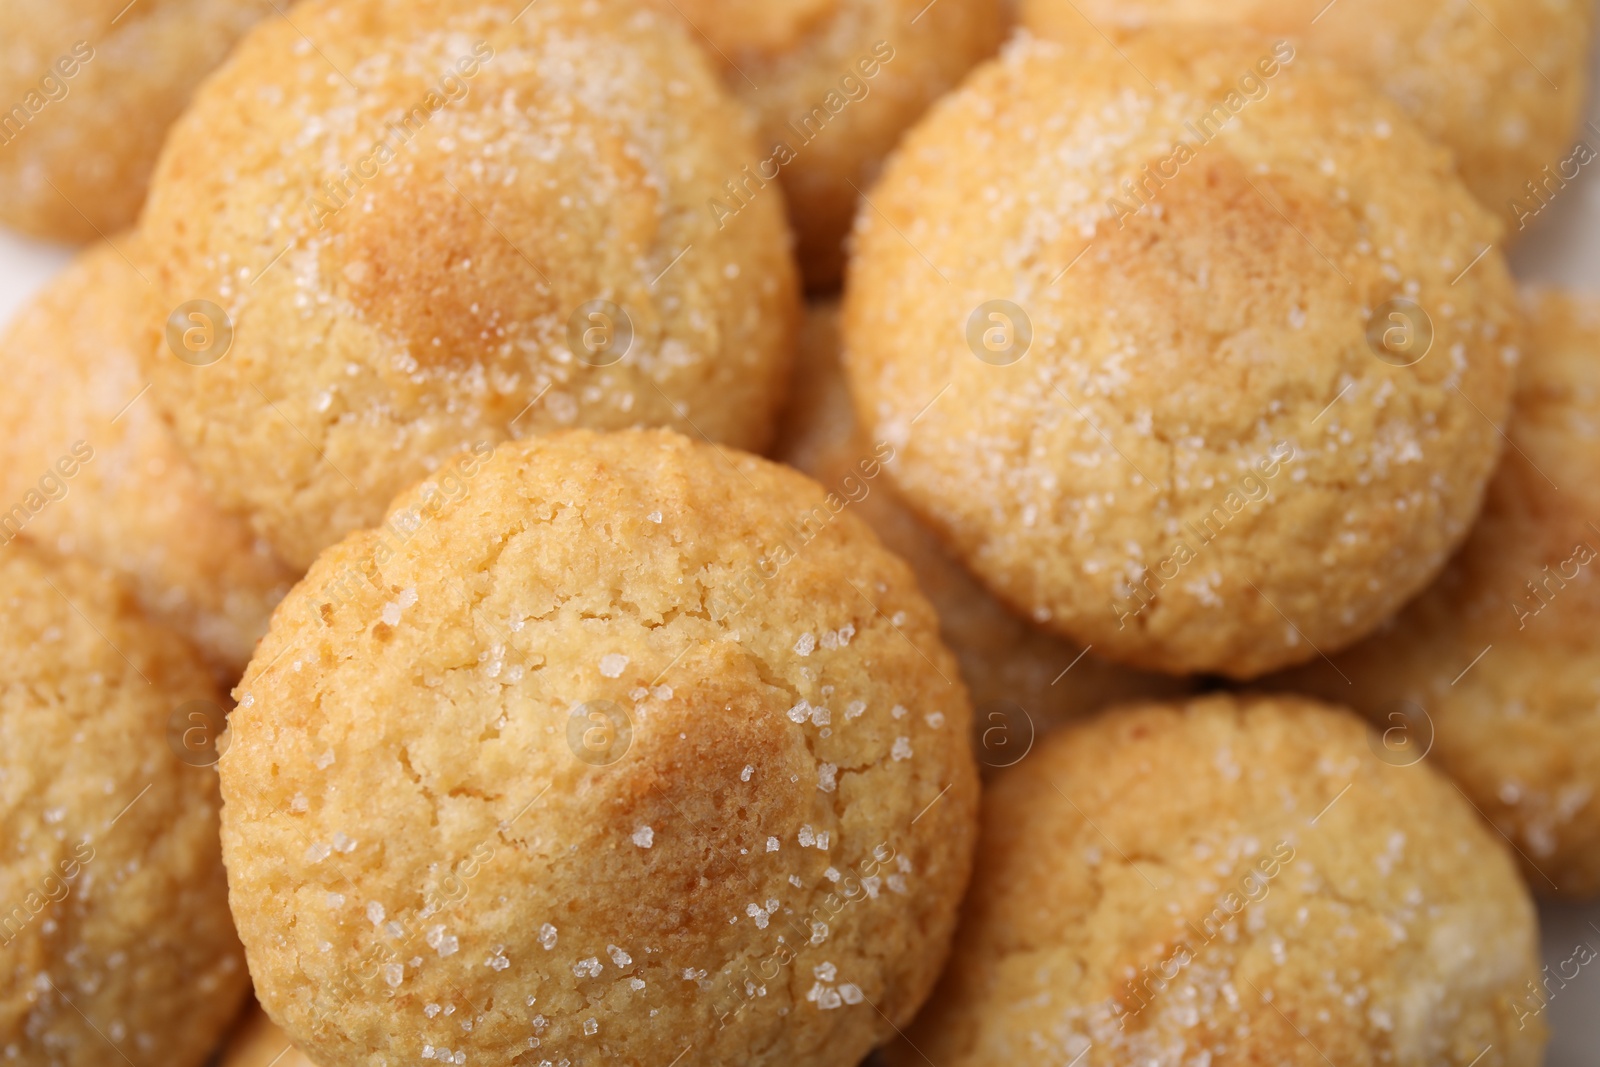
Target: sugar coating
97, 141
546, 163
1182, 347
798, 60
1005, 661
114, 894
1233, 880
1519, 728
478, 822
1499, 82
70, 360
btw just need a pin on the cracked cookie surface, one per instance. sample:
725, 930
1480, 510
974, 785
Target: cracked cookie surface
495, 228
1183, 438
628, 745
1234, 880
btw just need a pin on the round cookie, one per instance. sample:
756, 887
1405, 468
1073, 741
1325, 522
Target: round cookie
87, 91
1140, 360
638, 744
502, 233
1500, 82
835, 83
1494, 671
115, 940
88, 467
1024, 681
1234, 880
259, 1043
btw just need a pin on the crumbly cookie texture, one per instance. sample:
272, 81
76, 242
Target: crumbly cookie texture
115, 941
1129, 354
1494, 671
1499, 82
835, 83
88, 466
410, 249
1024, 680
636, 744
87, 91
1234, 880
258, 1042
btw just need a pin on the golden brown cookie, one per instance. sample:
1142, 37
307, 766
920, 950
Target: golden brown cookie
638, 744
1499, 82
257, 1042
88, 467
1024, 681
1494, 671
501, 232
115, 940
1204, 375
87, 91
835, 83
1234, 880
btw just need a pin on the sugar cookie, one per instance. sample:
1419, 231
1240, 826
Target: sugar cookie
503, 232
1205, 375
640, 744
1234, 880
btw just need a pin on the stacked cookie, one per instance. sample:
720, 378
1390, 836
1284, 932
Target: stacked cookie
1175, 370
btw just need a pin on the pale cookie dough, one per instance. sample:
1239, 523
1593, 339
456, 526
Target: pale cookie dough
1129, 352
1500, 82
1024, 681
413, 266
835, 83
636, 745
1234, 880
1494, 671
87, 91
115, 940
88, 467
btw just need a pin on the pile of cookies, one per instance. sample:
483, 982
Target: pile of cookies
1163, 631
